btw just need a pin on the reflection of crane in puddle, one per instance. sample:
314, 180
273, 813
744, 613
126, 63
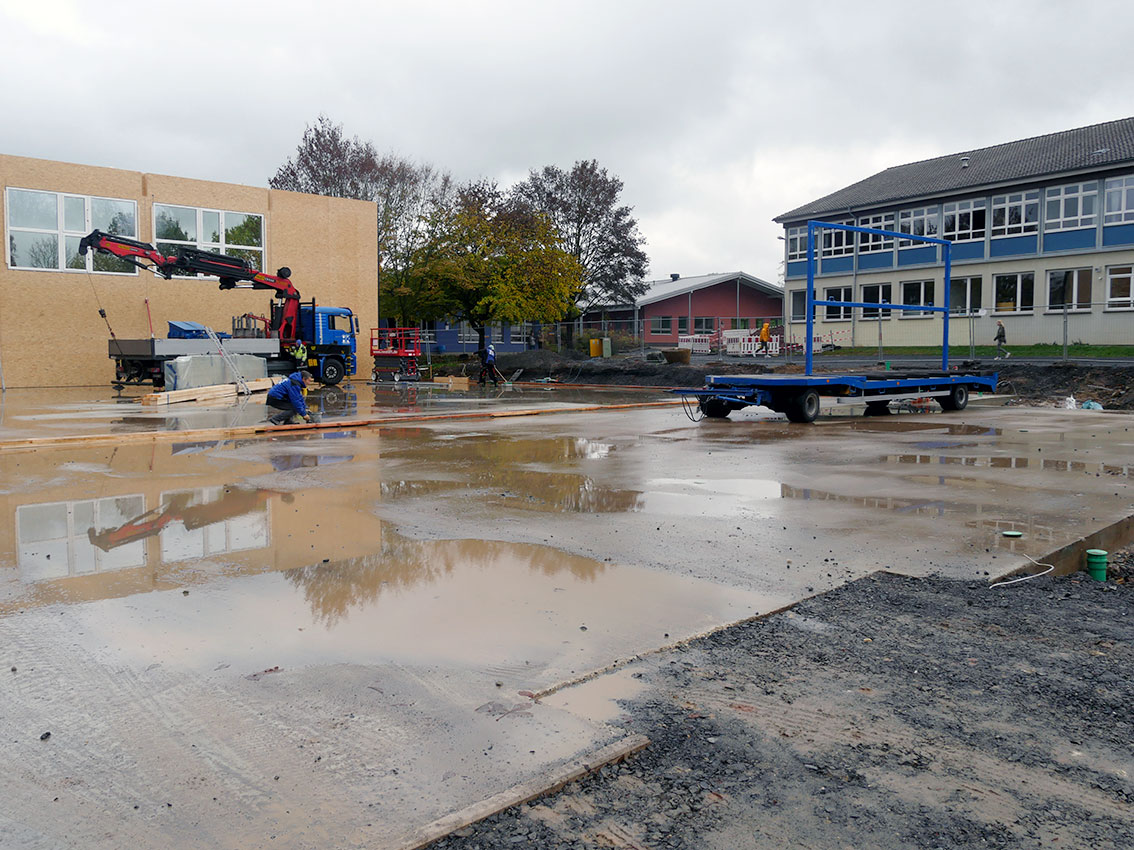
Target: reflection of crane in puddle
180, 507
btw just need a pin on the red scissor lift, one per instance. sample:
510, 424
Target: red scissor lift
395, 352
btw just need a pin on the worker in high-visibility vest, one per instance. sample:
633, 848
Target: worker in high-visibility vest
300, 354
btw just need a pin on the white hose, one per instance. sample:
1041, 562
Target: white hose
1025, 578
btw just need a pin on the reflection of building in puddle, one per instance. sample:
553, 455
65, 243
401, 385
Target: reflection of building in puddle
52, 539
333, 589
926, 507
1002, 462
215, 520
60, 539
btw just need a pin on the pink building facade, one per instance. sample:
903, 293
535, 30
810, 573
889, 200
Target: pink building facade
707, 304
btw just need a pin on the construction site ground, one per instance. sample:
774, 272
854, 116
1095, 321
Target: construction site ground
224, 637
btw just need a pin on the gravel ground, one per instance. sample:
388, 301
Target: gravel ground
888, 713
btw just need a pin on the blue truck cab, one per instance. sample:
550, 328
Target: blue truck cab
330, 334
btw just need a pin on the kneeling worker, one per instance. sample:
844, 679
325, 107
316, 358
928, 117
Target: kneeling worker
286, 398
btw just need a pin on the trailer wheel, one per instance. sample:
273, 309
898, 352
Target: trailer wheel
958, 398
804, 407
333, 371
714, 408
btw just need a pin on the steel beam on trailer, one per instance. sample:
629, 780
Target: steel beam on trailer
813, 225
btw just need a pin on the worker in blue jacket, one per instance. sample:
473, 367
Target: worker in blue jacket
286, 398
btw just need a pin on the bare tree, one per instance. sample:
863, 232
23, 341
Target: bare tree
602, 235
328, 163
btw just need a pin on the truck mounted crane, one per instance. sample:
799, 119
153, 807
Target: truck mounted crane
327, 334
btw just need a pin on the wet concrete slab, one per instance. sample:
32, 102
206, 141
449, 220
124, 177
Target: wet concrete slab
371, 614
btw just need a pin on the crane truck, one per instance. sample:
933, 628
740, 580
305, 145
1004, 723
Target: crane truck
324, 336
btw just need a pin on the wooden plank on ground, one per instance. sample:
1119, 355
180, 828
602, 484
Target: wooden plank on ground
209, 393
522, 793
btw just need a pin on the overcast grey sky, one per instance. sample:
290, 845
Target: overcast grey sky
716, 115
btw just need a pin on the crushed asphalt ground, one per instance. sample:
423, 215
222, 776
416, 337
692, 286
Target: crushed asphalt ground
888, 713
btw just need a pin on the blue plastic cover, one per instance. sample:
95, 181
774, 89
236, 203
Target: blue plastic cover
190, 330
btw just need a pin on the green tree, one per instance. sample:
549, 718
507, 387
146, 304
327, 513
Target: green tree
497, 259
601, 234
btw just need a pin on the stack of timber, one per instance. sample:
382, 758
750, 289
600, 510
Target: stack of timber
217, 392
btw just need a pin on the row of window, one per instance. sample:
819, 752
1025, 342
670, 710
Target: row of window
44, 230
1068, 207
1014, 292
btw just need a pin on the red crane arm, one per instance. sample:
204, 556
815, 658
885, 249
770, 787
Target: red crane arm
233, 272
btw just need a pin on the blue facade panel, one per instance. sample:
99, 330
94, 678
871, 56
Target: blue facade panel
836, 265
797, 269
917, 256
967, 251
880, 260
1013, 246
1118, 234
1069, 240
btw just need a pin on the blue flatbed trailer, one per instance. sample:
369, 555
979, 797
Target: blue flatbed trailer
797, 396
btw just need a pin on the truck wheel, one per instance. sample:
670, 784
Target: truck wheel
714, 408
804, 407
333, 371
958, 399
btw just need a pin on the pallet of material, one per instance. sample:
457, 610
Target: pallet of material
455, 382
216, 392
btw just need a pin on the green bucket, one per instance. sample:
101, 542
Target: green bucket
1096, 563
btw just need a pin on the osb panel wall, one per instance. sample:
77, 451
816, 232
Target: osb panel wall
51, 333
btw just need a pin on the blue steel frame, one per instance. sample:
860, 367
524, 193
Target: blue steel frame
812, 226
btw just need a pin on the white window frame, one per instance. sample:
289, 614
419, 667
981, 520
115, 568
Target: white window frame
1120, 303
801, 315
467, 334
919, 221
885, 296
162, 243
1026, 207
872, 243
216, 538
970, 283
1119, 200
1071, 207
1075, 305
835, 243
683, 324
963, 230
1019, 287
796, 243
661, 325
922, 287
62, 234
704, 324
838, 293
518, 332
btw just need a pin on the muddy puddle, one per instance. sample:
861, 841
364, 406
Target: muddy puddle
269, 552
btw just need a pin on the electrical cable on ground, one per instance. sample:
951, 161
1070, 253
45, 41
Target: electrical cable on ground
688, 405
1050, 567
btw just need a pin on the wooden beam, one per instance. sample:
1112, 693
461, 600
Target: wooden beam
87, 440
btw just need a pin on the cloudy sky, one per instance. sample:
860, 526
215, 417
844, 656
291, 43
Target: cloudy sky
716, 115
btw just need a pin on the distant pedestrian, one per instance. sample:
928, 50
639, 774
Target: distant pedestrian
1001, 340
765, 338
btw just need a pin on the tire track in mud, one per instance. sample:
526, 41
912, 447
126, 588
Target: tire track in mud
164, 752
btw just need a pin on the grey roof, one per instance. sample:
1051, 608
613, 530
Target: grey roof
1097, 146
659, 290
